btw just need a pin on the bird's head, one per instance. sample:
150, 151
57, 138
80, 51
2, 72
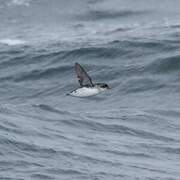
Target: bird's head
103, 86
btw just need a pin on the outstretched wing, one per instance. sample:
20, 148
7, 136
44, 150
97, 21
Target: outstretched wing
83, 77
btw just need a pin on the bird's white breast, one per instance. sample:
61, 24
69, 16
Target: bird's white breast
85, 92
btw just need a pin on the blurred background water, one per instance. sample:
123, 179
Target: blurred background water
130, 132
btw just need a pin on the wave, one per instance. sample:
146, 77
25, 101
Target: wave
117, 51
115, 129
165, 65
93, 52
20, 2
12, 42
110, 14
169, 64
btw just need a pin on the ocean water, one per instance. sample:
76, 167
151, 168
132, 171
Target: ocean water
131, 132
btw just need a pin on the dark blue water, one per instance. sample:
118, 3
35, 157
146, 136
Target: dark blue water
131, 132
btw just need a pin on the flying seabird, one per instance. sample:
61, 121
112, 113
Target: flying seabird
87, 87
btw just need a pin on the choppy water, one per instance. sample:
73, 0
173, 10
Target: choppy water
131, 132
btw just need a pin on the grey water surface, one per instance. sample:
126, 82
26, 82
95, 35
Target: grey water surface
131, 132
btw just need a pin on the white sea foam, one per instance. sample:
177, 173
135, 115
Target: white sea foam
12, 42
21, 2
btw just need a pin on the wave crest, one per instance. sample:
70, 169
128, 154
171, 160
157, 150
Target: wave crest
12, 42
20, 2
